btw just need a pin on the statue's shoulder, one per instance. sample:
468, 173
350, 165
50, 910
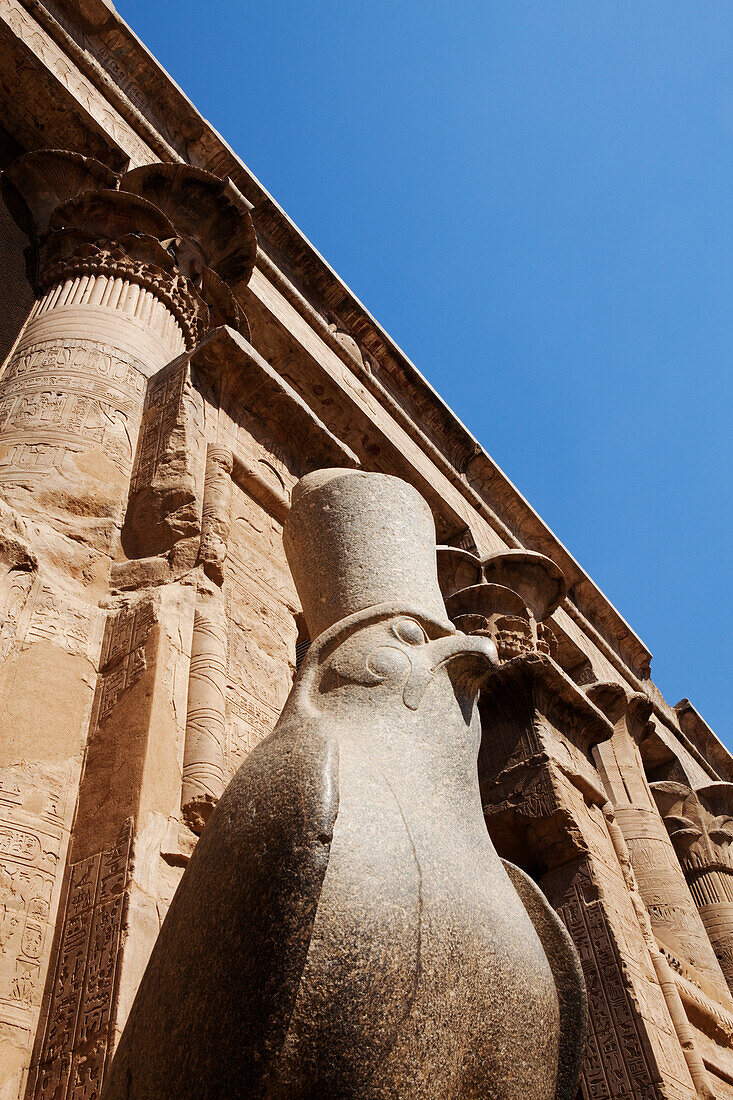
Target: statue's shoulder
288, 788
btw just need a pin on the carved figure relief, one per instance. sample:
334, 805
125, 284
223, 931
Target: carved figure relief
97, 401
32, 838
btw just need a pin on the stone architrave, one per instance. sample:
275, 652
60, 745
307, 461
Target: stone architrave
348, 864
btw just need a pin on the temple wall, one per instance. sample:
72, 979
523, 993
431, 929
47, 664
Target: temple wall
153, 422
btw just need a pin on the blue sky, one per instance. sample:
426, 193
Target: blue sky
536, 200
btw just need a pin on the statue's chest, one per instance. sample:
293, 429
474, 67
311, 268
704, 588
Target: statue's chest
420, 948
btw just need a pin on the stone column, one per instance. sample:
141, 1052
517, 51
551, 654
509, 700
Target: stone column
204, 754
131, 271
215, 519
204, 757
700, 825
546, 810
127, 280
677, 924
72, 393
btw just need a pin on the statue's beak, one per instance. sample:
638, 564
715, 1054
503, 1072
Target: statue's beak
471, 658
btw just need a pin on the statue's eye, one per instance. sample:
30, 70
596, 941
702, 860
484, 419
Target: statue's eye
410, 631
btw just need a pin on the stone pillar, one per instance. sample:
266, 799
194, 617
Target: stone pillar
131, 270
204, 754
700, 825
71, 396
125, 855
677, 924
131, 273
204, 760
546, 810
215, 519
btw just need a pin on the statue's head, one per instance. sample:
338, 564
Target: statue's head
362, 551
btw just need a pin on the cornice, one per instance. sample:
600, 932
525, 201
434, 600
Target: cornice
101, 44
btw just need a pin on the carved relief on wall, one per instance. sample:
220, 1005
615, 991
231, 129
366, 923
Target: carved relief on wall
79, 86
634, 1049
43, 84
164, 505
57, 399
15, 589
76, 1042
33, 609
617, 1062
162, 410
123, 657
32, 841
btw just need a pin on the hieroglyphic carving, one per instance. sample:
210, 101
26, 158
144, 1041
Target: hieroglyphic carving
81, 1009
123, 655
32, 837
60, 397
616, 1063
31, 610
258, 681
48, 363
121, 62
631, 1048
164, 507
25, 889
69, 623
162, 407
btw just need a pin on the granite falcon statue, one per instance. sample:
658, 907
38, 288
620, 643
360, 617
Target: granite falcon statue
345, 927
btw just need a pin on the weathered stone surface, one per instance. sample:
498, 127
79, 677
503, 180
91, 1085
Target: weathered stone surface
348, 863
151, 436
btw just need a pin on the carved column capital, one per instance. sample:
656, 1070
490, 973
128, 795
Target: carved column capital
132, 270
507, 597
179, 232
700, 823
700, 826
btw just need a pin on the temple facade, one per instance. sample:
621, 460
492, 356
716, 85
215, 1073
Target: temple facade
176, 355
